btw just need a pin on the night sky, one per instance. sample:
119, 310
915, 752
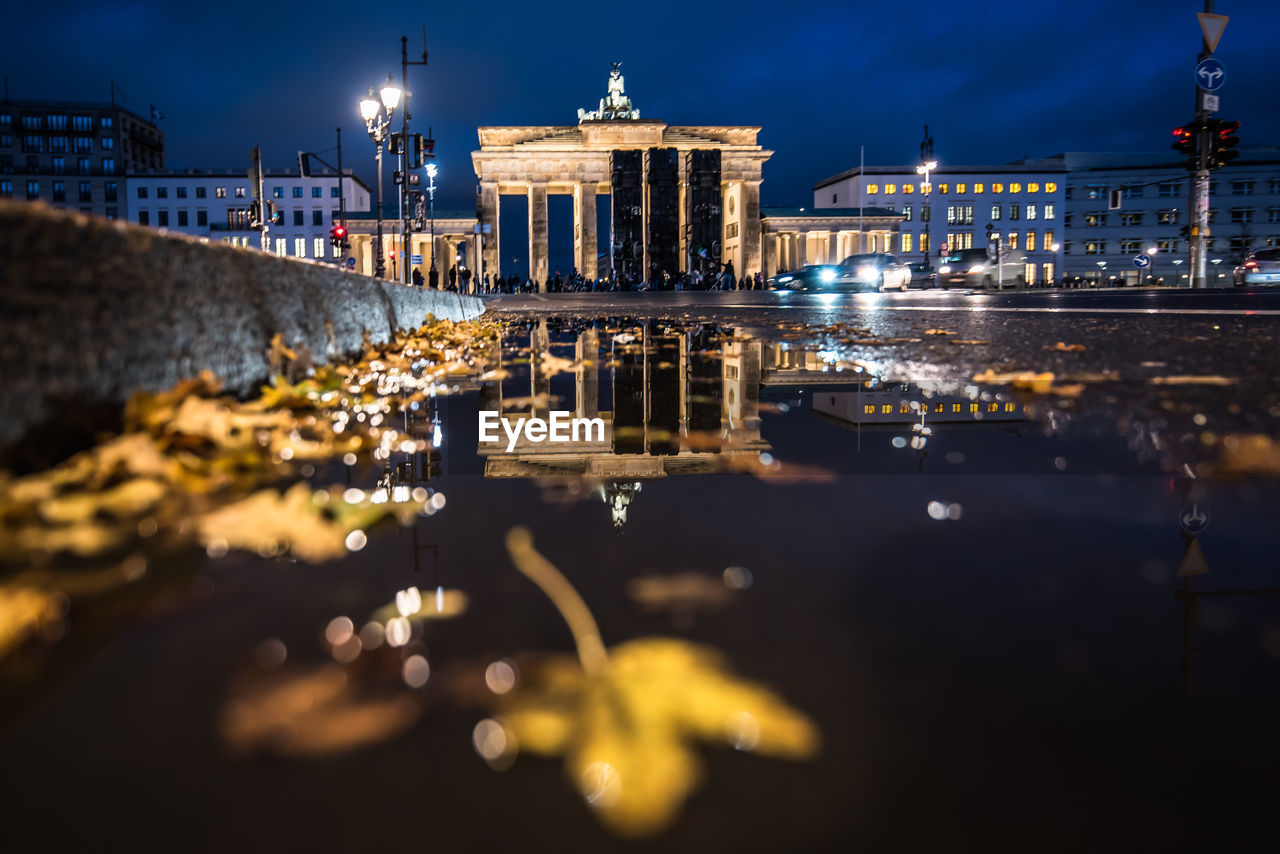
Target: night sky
822, 78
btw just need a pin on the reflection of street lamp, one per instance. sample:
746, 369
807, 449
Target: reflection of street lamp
377, 118
925, 188
431, 192
1216, 262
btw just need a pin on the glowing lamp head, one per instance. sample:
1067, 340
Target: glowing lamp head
368, 109
390, 94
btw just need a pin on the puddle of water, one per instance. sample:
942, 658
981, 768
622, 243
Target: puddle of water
972, 594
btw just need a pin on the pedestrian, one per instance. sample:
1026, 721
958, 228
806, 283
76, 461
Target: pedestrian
417, 277
433, 278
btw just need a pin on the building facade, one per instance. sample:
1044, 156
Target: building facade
215, 205
1102, 242
794, 237
1022, 202
73, 154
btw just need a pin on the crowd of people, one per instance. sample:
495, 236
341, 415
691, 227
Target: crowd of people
575, 282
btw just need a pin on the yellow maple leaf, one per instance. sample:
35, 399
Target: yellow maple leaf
625, 719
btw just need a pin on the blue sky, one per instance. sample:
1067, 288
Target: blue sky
822, 78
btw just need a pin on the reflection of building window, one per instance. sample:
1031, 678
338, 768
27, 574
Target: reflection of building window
908, 189
1033, 187
873, 189
961, 189
904, 407
1015, 187
973, 407
1009, 407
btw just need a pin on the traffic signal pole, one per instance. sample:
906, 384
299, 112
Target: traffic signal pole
1199, 201
406, 210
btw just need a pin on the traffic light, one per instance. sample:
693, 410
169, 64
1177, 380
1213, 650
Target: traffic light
275, 216
1185, 139
255, 214
396, 144
338, 237
1222, 142
424, 148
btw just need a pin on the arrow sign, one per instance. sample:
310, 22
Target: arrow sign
1141, 261
1210, 74
1194, 518
1212, 26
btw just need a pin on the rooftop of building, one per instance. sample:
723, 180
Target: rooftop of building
780, 211
1047, 165
243, 173
51, 104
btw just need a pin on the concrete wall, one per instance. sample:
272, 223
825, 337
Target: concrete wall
91, 310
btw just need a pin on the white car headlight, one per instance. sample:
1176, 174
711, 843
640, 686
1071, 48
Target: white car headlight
827, 276
867, 272
782, 280
945, 268
976, 268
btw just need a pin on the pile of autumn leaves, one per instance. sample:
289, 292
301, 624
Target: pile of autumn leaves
197, 468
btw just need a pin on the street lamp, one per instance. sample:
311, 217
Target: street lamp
377, 118
925, 188
432, 171
1151, 270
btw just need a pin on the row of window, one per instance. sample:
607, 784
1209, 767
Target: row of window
907, 407
963, 188
1174, 189
58, 165
237, 218
1131, 246
1239, 216
58, 190
55, 122
35, 144
221, 192
1030, 241
281, 244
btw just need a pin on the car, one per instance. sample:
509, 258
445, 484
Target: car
974, 268
1260, 267
877, 271
923, 274
814, 277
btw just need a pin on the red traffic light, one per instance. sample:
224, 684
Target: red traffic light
339, 232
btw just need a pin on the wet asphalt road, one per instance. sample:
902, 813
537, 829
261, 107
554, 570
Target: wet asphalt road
1153, 356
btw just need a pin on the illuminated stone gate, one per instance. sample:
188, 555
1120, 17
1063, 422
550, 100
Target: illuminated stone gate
682, 197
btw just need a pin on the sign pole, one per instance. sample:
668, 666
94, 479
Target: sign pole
1199, 201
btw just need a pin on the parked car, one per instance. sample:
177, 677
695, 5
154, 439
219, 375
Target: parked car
1260, 267
923, 275
973, 268
814, 277
878, 271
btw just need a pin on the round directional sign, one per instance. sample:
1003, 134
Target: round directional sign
351, 263
1193, 518
1141, 261
1210, 74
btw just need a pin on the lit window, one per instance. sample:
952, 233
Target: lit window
1048, 272
300, 247
944, 188
961, 189
219, 192
908, 189
1050, 187
906, 243
1013, 240
890, 189
997, 188
280, 246
955, 407
1031, 211
869, 409
1031, 241
1015, 187
978, 189
1048, 212
995, 211
873, 189
317, 247
886, 409
1033, 187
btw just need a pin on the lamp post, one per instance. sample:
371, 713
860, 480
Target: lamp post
1151, 271
1057, 274
377, 118
432, 171
924, 169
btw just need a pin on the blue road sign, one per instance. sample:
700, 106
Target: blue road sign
1210, 74
1141, 261
351, 263
1194, 518
415, 259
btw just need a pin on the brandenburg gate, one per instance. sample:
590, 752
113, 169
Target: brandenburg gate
681, 198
